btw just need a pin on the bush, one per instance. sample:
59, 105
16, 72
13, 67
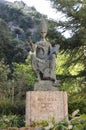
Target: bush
77, 102
40, 123
7, 107
11, 121
76, 122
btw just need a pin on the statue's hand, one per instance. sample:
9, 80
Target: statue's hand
32, 45
41, 61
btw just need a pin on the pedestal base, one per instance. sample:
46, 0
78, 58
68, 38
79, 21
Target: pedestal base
43, 105
45, 85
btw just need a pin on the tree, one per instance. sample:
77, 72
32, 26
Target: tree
4, 85
54, 36
5, 42
23, 77
71, 61
20, 51
75, 18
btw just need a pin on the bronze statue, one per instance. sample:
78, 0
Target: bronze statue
43, 56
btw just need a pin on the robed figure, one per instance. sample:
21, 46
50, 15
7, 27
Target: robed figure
43, 56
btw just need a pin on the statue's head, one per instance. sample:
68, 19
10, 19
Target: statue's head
43, 29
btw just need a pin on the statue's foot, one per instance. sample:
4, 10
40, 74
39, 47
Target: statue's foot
56, 83
38, 79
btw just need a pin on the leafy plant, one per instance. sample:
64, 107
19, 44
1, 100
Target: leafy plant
4, 83
11, 121
24, 78
77, 101
75, 123
8, 108
41, 123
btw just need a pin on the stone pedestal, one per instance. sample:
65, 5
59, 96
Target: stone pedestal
43, 105
45, 85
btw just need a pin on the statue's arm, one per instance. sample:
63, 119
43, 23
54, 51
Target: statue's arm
32, 45
53, 51
56, 48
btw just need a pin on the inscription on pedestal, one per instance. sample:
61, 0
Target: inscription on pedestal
43, 105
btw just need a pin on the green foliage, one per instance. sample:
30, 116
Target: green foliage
24, 71
41, 123
17, 24
54, 36
5, 41
76, 122
20, 15
16, 108
4, 84
77, 101
63, 125
23, 78
72, 70
20, 51
11, 121
68, 74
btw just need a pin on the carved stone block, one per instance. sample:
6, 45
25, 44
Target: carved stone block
45, 85
43, 105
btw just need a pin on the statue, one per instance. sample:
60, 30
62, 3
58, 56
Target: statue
43, 56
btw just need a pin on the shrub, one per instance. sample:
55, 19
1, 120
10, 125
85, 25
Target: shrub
76, 122
7, 107
77, 102
11, 121
40, 123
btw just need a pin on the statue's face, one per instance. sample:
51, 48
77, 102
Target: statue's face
43, 29
43, 34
